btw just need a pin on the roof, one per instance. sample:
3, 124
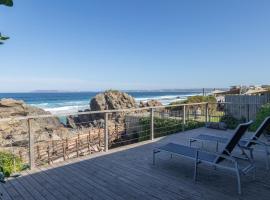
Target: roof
256, 91
231, 91
217, 92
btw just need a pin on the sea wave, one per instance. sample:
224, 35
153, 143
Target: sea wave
166, 99
62, 107
66, 109
61, 104
40, 105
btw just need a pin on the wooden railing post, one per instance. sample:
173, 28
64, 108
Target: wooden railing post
49, 155
206, 112
66, 143
31, 146
38, 152
77, 147
99, 137
152, 122
89, 143
117, 132
106, 133
184, 117
64, 149
20, 155
53, 149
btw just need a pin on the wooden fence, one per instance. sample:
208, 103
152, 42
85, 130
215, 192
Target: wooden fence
245, 106
59, 150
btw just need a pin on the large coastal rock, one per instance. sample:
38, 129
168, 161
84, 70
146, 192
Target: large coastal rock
109, 100
16, 131
112, 100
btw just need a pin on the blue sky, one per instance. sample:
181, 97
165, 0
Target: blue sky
134, 44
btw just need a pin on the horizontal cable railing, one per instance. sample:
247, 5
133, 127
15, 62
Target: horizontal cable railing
97, 112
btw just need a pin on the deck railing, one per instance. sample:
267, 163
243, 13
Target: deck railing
85, 133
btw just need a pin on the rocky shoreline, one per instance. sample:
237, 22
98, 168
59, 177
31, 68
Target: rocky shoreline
14, 134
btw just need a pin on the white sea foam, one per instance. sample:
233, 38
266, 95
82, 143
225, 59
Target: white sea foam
166, 99
74, 106
40, 105
66, 109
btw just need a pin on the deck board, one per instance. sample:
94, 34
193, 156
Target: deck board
31, 182
128, 173
49, 184
30, 188
87, 183
26, 195
118, 181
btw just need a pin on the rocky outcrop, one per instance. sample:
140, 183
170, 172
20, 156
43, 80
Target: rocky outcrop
17, 130
112, 100
109, 100
82, 120
151, 103
72, 122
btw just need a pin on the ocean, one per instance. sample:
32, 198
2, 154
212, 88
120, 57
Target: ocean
66, 102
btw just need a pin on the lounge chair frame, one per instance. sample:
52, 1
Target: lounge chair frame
219, 158
254, 140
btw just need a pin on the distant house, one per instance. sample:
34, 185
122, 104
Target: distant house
241, 91
234, 90
257, 91
217, 92
266, 86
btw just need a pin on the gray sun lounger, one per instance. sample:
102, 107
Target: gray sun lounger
213, 158
249, 142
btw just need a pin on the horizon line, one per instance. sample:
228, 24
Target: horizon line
122, 90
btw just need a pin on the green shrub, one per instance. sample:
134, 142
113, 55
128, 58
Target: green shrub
145, 133
112, 91
198, 99
193, 125
260, 117
10, 163
231, 122
165, 126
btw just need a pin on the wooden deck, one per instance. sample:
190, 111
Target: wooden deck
127, 173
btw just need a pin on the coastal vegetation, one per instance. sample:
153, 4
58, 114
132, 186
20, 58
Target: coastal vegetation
10, 163
200, 99
165, 126
112, 91
196, 99
260, 117
200, 110
231, 121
